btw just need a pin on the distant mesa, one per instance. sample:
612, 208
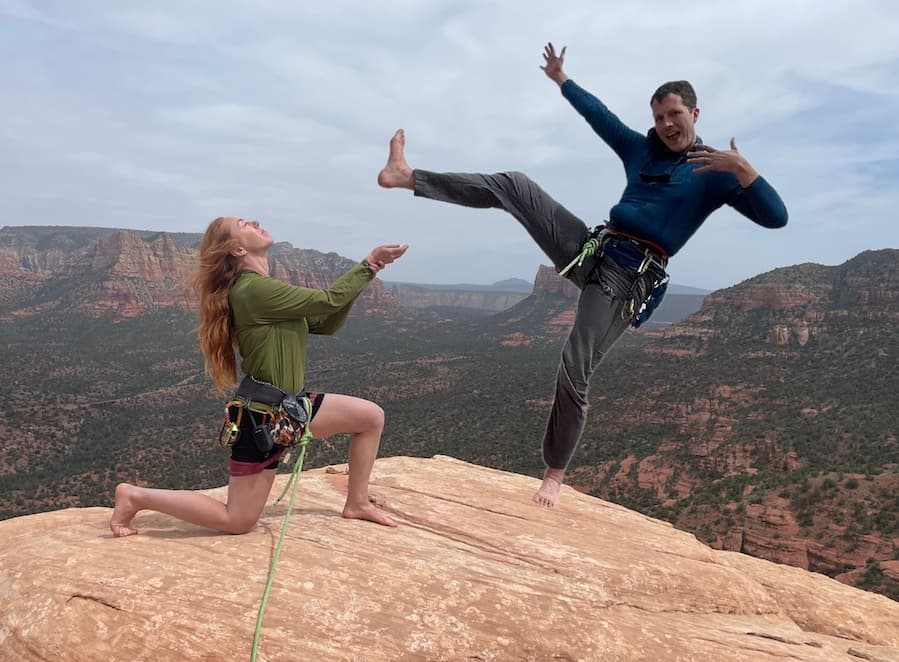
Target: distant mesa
517, 285
126, 273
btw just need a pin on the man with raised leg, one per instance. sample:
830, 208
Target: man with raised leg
674, 182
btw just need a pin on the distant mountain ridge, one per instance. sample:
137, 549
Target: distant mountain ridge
63, 237
126, 273
41, 250
674, 288
517, 285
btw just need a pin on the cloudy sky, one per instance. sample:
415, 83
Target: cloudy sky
161, 116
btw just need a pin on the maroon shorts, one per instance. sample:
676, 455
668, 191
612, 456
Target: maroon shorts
246, 459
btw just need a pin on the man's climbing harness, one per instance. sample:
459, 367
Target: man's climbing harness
642, 257
283, 420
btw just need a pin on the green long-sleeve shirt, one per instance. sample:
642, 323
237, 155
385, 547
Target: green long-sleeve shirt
273, 320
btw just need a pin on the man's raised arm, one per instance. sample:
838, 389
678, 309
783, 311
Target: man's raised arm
616, 134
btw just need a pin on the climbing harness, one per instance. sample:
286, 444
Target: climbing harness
642, 257
277, 417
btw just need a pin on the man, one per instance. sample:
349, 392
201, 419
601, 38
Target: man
673, 183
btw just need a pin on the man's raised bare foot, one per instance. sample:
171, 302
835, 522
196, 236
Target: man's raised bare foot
369, 512
548, 493
124, 511
397, 173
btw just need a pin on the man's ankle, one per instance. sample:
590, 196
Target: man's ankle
557, 475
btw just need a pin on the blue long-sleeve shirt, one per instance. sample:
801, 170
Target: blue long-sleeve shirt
667, 213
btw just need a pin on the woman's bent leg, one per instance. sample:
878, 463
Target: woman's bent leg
365, 421
246, 499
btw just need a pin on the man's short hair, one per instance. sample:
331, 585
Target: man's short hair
682, 88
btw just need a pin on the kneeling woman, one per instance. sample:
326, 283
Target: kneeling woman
269, 321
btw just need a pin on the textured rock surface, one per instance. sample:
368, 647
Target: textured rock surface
474, 572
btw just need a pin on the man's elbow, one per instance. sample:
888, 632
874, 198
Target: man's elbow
780, 218
771, 216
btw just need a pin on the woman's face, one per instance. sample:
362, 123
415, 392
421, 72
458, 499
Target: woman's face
253, 238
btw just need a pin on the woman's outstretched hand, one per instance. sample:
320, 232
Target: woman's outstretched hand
381, 256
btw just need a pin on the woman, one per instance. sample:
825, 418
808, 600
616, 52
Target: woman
269, 321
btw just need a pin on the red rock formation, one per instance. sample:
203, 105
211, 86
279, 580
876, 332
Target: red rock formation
549, 282
124, 274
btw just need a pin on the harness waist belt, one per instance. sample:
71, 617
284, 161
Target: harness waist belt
284, 416
644, 258
654, 249
255, 390
631, 255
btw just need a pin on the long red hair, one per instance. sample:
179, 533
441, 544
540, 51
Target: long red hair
217, 272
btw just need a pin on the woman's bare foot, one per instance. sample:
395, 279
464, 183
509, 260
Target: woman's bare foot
369, 512
397, 173
548, 493
124, 511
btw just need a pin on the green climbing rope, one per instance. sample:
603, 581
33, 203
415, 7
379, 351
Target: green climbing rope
295, 482
589, 248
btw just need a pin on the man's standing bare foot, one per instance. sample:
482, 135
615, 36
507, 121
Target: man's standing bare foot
548, 493
124, 511
397, 173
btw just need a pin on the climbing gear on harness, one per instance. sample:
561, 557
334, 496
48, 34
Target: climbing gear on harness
643, 257
278, 417
295, 481
639, 315
649, 265
589, 248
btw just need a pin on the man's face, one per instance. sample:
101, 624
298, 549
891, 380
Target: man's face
252, 237
675, 123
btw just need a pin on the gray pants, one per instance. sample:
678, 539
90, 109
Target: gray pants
605, 287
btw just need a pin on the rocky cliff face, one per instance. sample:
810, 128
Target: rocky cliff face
129, 273
548, 282
475, 571
310, 268
793, 304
